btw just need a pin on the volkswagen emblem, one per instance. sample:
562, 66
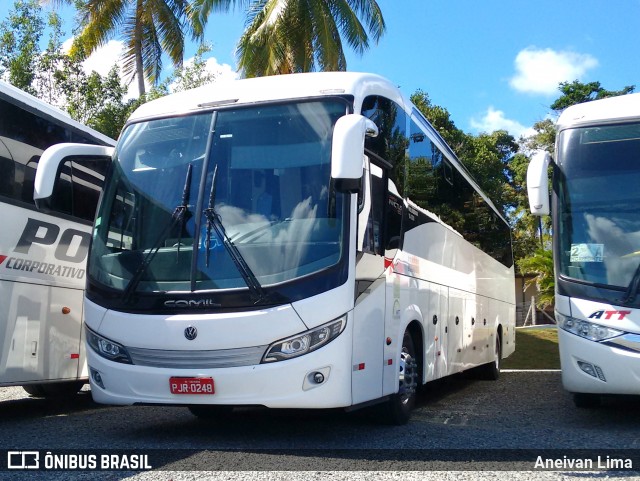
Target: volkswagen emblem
190, 333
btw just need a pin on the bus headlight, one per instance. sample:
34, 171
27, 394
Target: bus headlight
588, 330
305, 342
107, 348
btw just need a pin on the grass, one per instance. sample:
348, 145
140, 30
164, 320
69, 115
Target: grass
536, 348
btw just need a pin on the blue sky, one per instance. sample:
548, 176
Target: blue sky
492, 63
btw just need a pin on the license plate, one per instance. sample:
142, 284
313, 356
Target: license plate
191, 385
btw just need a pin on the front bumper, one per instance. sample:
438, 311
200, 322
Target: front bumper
284, 384
620, 367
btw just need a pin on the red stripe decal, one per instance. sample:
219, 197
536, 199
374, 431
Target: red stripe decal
2, 258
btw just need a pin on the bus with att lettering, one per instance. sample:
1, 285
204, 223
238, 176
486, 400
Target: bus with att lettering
596, 245
43, 256
295, 241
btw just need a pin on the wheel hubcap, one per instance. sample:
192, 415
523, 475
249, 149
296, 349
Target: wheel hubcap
408, 376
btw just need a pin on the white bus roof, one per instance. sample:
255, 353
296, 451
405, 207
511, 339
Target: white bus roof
623, 107
47, 110
270, 88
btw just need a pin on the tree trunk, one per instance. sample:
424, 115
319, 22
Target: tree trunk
138, 49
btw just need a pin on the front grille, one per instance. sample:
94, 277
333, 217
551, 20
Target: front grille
245, 356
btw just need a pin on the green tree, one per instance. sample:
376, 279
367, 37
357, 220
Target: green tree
544, 137
45, 82
149, 28
56, 77
577, 92
440, 118
525, 226
540, 264
496, 162
20, 34
193, 74
488, 156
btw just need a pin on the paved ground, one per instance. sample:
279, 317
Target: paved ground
459, 424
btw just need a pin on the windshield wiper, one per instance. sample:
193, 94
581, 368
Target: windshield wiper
632, 291
179, 216
214, 222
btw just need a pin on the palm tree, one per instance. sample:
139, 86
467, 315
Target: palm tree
287, 36
540, 264
148, 28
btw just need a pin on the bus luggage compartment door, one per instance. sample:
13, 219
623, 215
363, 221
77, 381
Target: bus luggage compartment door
40, 329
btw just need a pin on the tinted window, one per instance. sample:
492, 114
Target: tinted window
23, 138
77, 191
391, 142
424, 170
439, 188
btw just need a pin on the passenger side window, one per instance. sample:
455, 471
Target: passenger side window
23, 138
391, 143
374, 228
78, 188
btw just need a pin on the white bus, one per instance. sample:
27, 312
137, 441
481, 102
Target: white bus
596, 226
42, 256
301, 241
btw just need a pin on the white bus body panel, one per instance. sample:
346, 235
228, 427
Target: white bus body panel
368, 344
38, 341
621, 367
483, 292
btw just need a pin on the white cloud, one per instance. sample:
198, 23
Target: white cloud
105, 57
221, 72
494, 119
539, 71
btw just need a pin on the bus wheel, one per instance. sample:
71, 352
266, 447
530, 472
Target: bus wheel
210, 412
399, 406
587, 400
58, 390
34, 390
491, 370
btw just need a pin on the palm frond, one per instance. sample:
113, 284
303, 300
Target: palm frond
302, 35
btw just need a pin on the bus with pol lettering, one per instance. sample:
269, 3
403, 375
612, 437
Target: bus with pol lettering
43, 256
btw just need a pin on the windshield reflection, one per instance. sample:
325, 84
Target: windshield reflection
273, 197
598, 198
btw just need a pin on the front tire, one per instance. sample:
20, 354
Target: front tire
399, 406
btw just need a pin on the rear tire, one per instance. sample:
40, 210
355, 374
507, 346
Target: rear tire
398, 408
34, 390
58, 390
491, 370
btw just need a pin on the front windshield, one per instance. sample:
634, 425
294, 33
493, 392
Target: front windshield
272, 194
598, 191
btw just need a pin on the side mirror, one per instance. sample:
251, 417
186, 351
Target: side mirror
347, 150
51, 161
538, 183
